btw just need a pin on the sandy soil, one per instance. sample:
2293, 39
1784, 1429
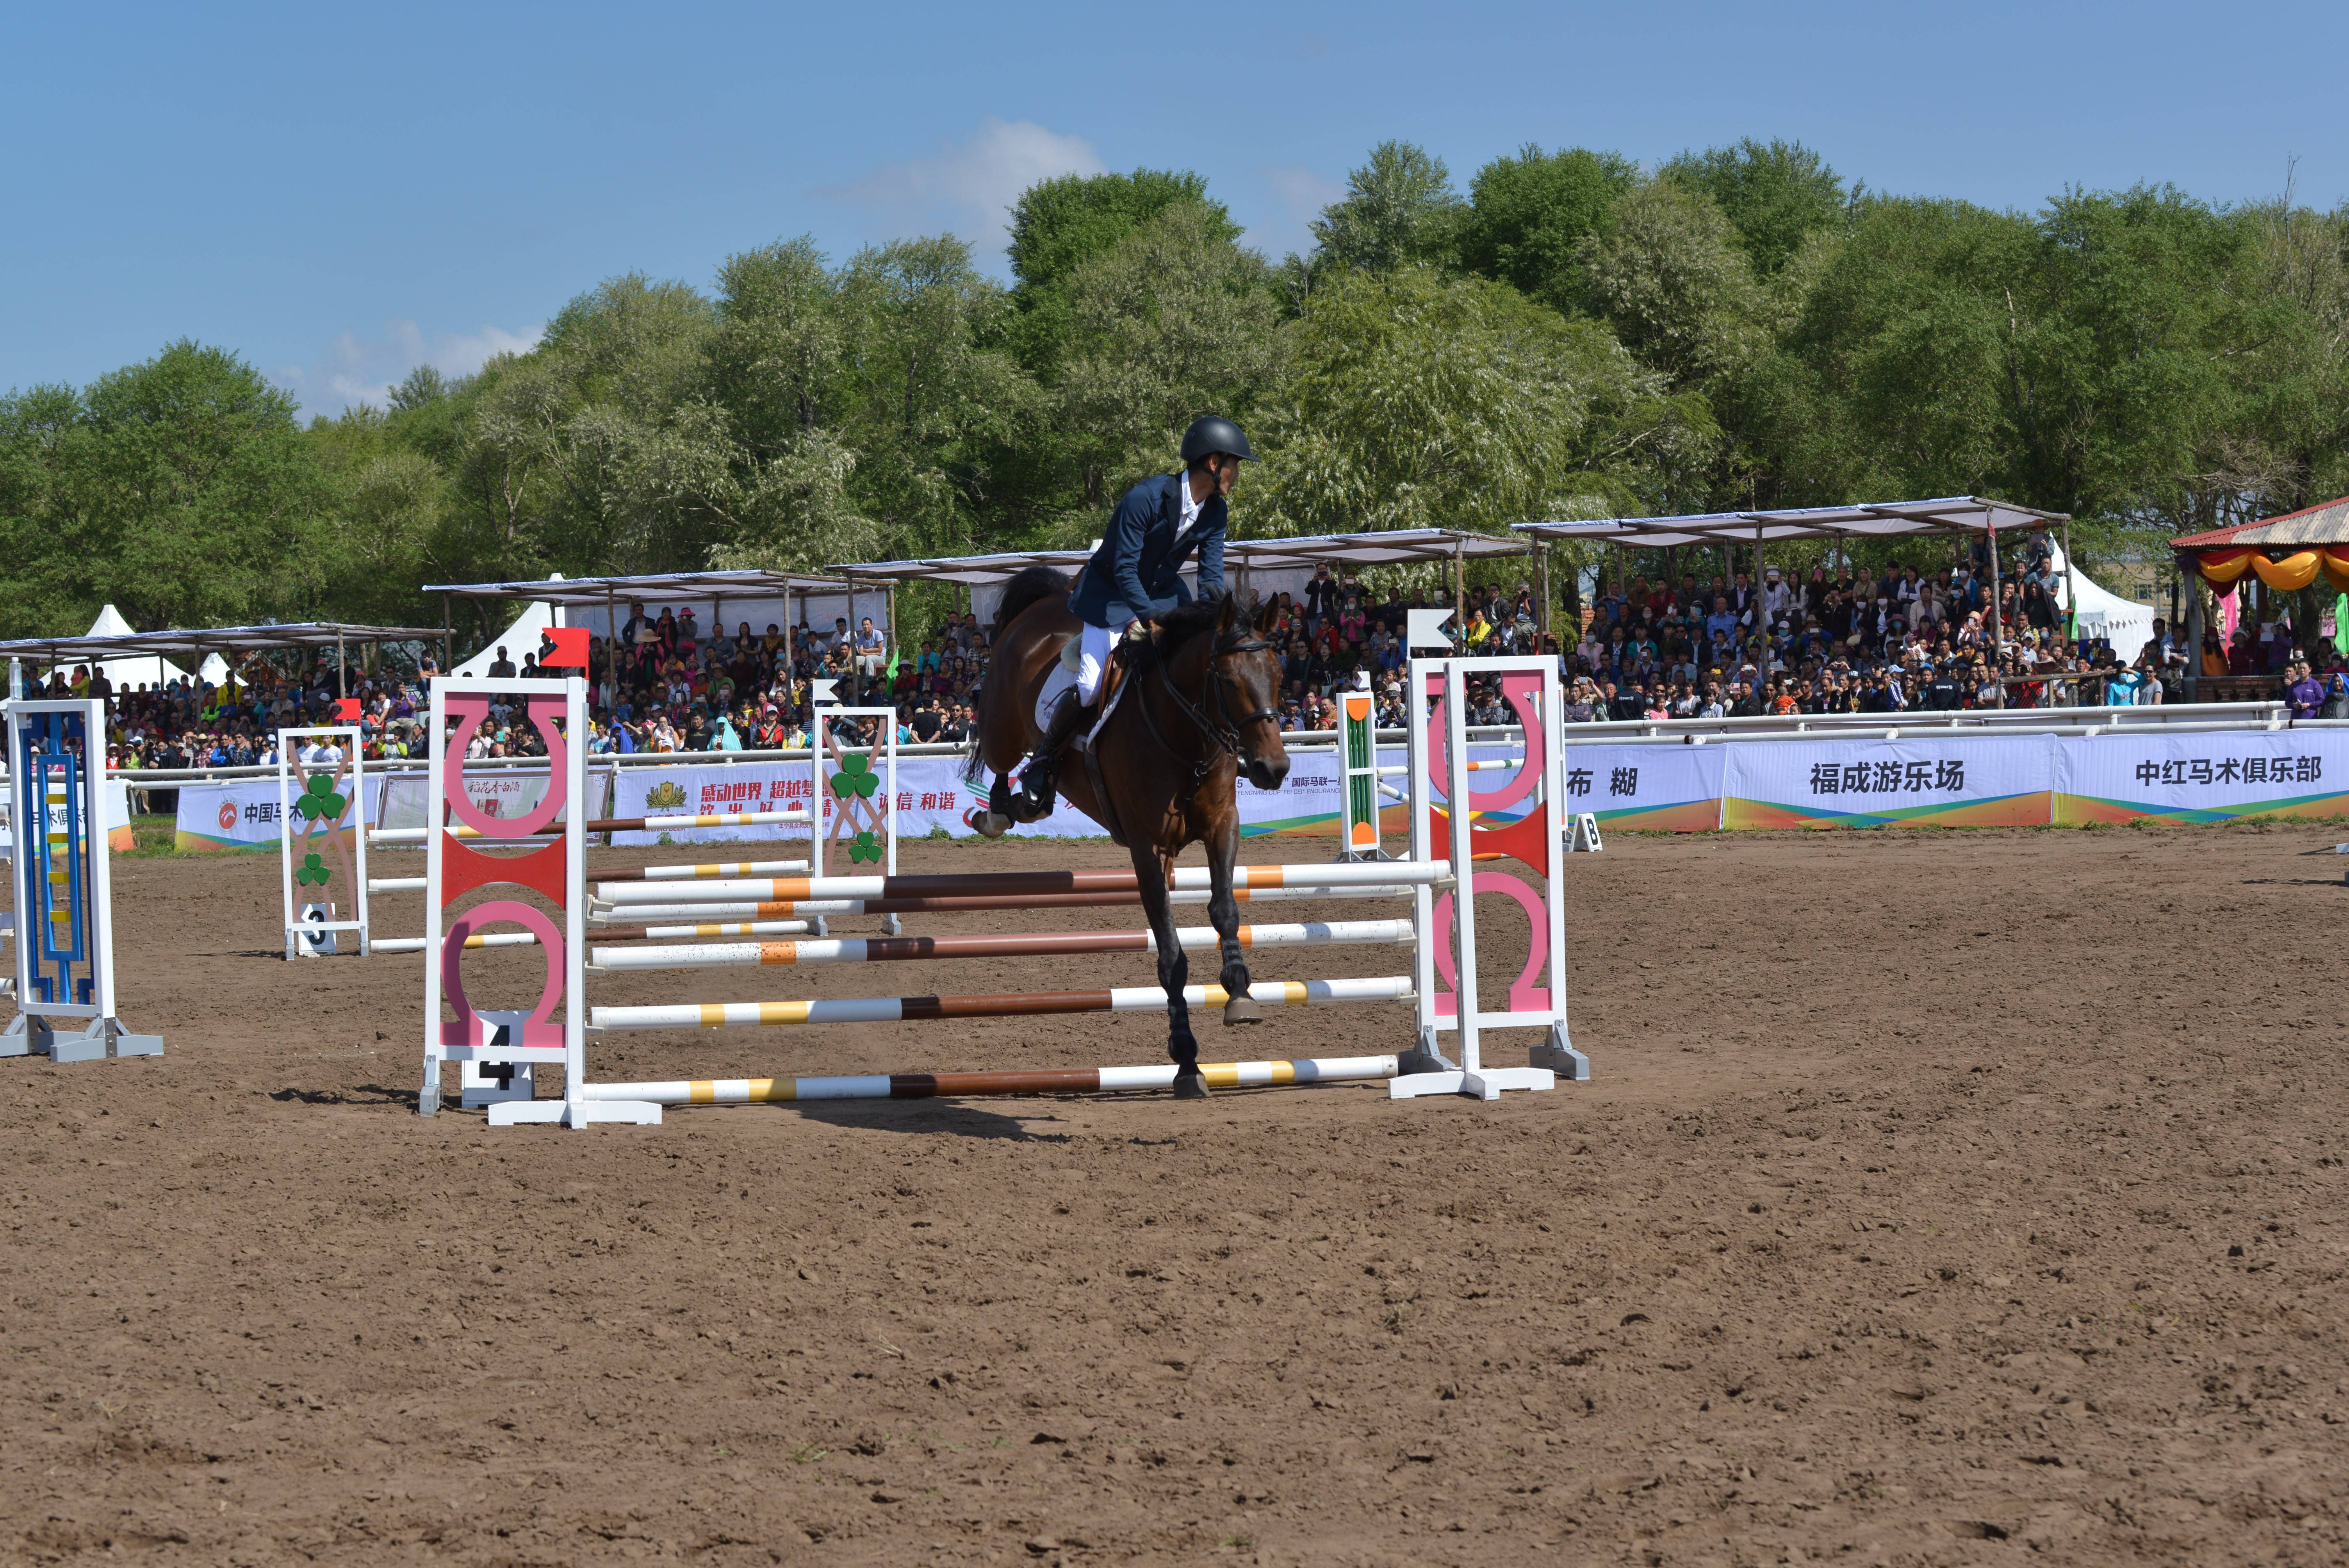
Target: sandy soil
1940, 1198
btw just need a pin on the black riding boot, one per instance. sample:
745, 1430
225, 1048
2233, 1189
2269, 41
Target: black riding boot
1038, 779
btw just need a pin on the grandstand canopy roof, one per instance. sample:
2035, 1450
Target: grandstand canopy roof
1390, 547
212, 640
2327, 523
660, 588
1877, 520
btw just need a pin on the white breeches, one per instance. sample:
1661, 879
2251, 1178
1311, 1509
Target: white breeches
1092, 651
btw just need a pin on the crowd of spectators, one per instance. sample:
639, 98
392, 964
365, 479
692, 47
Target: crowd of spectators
1889, 640
1831, 640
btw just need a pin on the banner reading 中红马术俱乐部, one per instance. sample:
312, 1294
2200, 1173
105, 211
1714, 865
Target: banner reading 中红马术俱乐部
1992, 781
2215, 775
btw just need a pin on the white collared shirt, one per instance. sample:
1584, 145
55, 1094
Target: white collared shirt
1190, 507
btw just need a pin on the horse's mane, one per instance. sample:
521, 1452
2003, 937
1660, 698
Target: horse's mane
1032, 584
1186, 621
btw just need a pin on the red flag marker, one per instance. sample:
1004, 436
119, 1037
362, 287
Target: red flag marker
570, 647
346, 709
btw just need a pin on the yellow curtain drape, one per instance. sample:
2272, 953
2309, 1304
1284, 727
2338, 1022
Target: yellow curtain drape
2220, 568
2294, 572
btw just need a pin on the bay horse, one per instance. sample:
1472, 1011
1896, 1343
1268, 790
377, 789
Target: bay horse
1200, 707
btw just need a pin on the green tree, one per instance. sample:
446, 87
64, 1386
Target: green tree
1412, 400
1399, 209
1775, 194
1530, 214
1670, 278
180, 489
1174, 321
1060, 224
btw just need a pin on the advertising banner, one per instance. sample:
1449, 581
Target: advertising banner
2213, 777
241, 814
2002, 781
1649, 788
705, 789
2022, 780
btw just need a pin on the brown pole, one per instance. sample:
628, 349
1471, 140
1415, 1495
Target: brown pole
1541, 554
2071, 588
1761, 627
612, 643
1460, 589
2193, 633
1997, 632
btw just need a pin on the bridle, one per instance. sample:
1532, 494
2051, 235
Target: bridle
1208, 714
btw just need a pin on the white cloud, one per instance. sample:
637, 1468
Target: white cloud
1299, 194
970, 188
365, 370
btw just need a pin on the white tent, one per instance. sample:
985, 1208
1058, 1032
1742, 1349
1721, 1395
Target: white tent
522, 637
2123, 624
128, 674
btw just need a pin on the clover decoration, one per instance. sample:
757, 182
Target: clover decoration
318, 802
865, 847
314, 871
856, 777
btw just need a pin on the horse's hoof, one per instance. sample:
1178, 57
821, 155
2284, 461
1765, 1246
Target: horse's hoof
1192, 1085
986, 824
1242, 1010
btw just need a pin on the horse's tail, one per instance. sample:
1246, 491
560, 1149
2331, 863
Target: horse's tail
1032, 585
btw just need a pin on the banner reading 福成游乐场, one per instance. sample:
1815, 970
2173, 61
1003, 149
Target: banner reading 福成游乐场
1992, 782
2213, 775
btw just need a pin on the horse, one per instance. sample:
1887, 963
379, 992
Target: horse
1164, 767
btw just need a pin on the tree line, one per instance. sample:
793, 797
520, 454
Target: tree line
1572, 336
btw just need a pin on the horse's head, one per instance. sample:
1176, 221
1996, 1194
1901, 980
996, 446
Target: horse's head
1244, 692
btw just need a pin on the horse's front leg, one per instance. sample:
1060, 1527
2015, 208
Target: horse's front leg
1223, 843
1152, 876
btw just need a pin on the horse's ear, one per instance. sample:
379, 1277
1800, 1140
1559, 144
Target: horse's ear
1266, 615
1231, 613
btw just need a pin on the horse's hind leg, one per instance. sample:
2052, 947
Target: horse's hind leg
1224, 913
1150, 874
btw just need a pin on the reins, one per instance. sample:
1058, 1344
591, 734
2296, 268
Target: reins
1221, 728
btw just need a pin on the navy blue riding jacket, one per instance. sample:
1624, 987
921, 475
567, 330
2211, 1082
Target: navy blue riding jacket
1136, 574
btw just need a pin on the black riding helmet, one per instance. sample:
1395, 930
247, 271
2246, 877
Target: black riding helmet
1212, 433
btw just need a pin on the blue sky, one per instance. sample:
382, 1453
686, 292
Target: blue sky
340, 197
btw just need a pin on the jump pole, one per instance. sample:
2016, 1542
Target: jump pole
1018, 884
892, 949
926, 1085
955, 905
1039, 1003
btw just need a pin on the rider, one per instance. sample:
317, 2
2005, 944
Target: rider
1136, 576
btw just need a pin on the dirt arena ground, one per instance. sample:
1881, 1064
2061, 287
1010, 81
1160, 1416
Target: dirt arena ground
1942, 1198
